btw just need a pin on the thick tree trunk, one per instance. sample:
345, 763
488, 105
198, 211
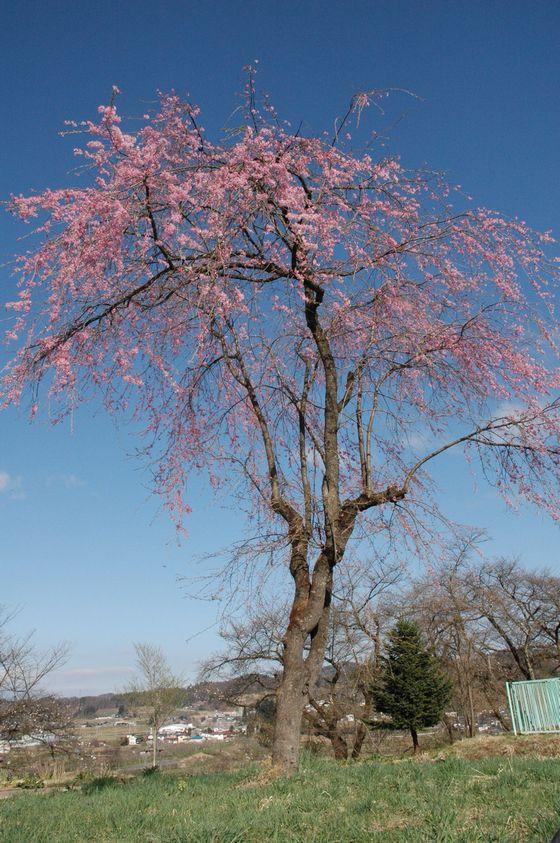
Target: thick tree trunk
290, 701
415, 744
300, 674
309, 622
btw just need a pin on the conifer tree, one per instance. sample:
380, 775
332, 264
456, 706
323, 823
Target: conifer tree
413, 690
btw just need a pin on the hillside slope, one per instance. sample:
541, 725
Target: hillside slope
493, 799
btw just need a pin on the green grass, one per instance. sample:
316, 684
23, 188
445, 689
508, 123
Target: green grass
494, 799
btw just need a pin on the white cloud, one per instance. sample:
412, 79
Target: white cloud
419, 439
72, 481
12, 486
68, 481
508, 409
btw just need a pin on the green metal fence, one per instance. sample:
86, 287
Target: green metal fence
534, 705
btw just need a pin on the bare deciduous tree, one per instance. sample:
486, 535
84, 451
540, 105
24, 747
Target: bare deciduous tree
25, 708
156, 687
443, 606
490, 622
520, 607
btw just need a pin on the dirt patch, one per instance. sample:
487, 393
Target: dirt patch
393, 822
197, 757
266, 774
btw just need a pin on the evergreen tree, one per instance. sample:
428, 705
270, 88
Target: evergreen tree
413, 690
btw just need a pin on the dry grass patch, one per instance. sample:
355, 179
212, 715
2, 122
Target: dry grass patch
492, 746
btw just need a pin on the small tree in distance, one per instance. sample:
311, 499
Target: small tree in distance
413, 691
25, 707
156, 688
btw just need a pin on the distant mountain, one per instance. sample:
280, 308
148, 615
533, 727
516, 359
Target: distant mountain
218, 694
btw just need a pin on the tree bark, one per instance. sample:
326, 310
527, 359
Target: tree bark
501, 719
339, 745
415, 744
290, 701
472, 715
361, 732
309, 620
154, 747
449, 728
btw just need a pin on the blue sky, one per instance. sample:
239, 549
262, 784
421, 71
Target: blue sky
83, 549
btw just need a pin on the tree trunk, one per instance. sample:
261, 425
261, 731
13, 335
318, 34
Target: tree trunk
339, 745
501, 719
415, 744
309, 619
529, 662
472, 714
449, 728
361, 732
290, 700
154, 747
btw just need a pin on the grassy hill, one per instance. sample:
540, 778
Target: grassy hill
442, 798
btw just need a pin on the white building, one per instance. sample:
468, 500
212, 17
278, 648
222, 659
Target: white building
175, 729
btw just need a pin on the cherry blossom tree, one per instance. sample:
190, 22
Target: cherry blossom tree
313, 319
